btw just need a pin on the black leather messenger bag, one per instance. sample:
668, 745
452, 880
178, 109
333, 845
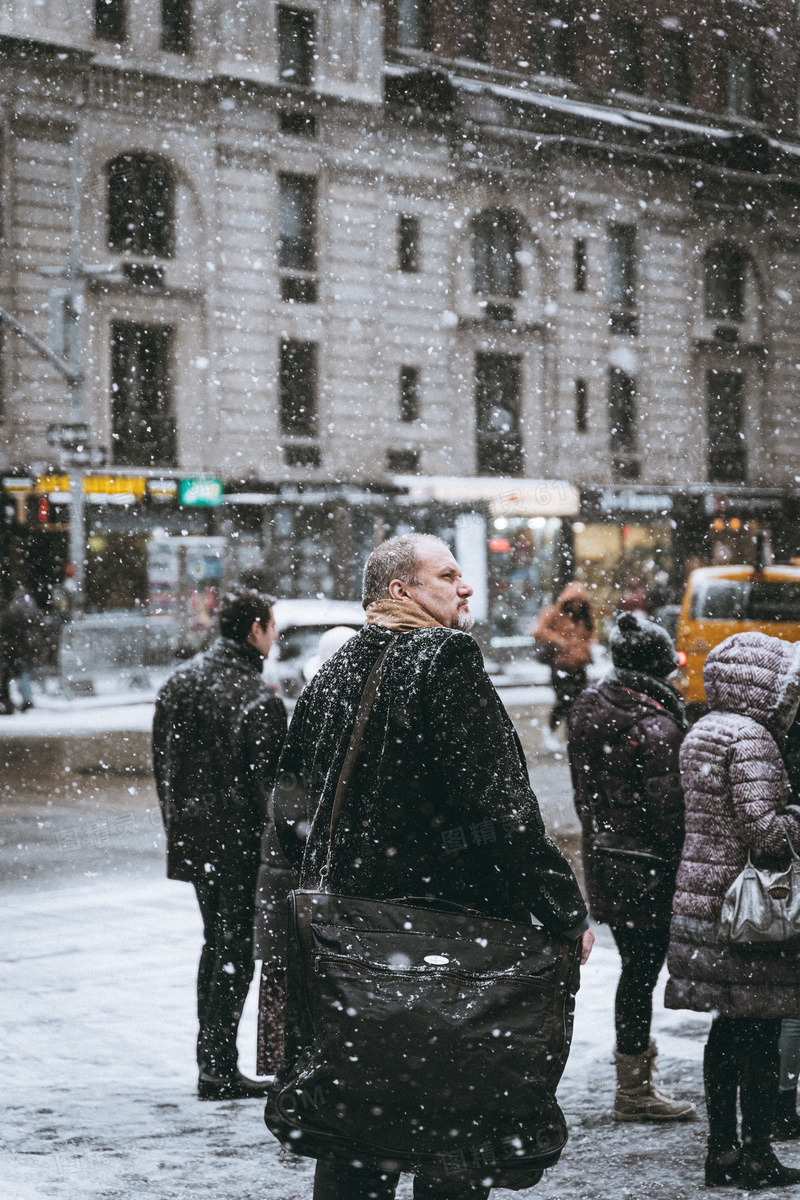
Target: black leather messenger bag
422, 1036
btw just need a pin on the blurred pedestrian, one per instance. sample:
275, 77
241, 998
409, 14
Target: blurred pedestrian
625, 735
633, 598
22, 636
217, 736
659, 592
63, 596
438, 755
737, 798
565, 631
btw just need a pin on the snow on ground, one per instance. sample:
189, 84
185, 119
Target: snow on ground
55, 717
98, 1067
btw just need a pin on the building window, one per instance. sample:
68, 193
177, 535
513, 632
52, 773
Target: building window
628, 58
724, 270
142, 420
110, 18
580, 263
622, 423
621, 271
402, 462
498, 403
141, 205
743, 99
581, 406
296, 46
176, 25
298, 124
414, 24
296, 205
302, 456
298, 388
409, 394
676, 66
408, 244
495, 247
550, 39
472, 23
299, 291
727, 450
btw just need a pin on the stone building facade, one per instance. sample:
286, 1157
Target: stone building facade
351, 243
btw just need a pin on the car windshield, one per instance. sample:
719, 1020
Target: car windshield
732, 600
301, 641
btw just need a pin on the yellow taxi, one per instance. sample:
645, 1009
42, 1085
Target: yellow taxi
720, 601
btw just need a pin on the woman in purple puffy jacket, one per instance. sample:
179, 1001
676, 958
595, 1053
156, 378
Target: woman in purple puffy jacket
738, 803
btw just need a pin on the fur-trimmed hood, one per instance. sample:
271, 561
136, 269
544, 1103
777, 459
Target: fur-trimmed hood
757, 676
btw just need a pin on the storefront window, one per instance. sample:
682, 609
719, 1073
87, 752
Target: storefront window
618, 560
522, 554
732, 540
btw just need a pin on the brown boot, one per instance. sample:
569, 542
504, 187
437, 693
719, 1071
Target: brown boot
637, 1098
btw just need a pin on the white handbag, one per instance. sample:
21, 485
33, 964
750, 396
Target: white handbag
763, 906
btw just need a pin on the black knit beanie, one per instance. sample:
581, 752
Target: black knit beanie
637, 644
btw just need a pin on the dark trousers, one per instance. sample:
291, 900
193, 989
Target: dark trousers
226, 968
567, 686
741, 1054
337, 1180
643, 952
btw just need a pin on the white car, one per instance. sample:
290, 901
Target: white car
300, 624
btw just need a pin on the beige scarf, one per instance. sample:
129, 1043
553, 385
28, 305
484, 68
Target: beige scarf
400, 615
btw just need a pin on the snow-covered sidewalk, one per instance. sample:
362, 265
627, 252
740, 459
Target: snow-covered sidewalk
98, 1075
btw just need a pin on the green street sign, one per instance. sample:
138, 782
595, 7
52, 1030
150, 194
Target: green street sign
203, 491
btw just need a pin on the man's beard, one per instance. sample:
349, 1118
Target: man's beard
464, 620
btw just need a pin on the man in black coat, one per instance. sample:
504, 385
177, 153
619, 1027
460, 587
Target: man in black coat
625, 736
439, 803
217, 736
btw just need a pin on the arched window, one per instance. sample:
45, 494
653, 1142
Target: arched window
725, 266
495, 246
141, 205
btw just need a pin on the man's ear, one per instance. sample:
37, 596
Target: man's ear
398, 590
255, 629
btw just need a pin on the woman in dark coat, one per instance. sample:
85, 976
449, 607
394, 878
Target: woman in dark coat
625, 737
737, 804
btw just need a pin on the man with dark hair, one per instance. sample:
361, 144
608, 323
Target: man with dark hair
439, 803
217, 736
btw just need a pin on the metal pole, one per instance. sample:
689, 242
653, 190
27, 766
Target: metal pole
77, 516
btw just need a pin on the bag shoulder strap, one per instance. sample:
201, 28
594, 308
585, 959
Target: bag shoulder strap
353, 750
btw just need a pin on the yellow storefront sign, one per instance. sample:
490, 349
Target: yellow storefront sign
103, 485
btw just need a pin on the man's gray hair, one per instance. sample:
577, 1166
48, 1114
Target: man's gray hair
396, 558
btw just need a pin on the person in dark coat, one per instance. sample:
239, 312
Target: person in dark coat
217, 735
22, 641
439, 804
738, 805
625, 735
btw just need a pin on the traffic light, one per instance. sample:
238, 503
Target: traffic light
43, 510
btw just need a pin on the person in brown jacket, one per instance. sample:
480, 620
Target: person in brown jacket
566, 631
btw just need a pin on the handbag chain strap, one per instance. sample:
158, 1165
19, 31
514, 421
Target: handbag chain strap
353, 750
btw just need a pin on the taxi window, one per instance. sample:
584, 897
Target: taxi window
774, 602
729, 600
720, 601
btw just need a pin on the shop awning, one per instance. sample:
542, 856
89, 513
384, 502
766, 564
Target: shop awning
506, 495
